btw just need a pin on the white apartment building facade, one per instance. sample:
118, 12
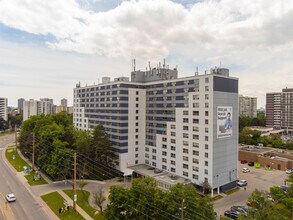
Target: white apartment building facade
247, 106
3, 108
35, 107
185, 126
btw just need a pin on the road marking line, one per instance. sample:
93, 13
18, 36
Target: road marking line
2, 211
2, 196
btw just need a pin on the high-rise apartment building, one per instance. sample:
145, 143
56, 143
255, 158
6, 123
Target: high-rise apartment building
279, 109
247, 106
35, 107
20, 103
185, 126
64, 102
3, 108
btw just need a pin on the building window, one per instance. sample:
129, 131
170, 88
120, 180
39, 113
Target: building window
195, 97
136, 130
195, 105
206, 171
173, 141
185, 143
154, 157
154, 164
173, 155
206, 146
185, 150
195, 113
185, 166
136, 155
164, 139
206, 121
194, 176
185, 174
164, 146
195, 137
195, 152
195, 121
194, 160
196, 145
173, 133
206, 96
173, 126
206, 88
206, 155
136, 124
185, 112
147, 162
206, 130
195, 168
136, 149
206, 113
206, 138
136, 117
185, 135
195, 128
185, 158
173, 148
136, 111
206, 104
173, 170
206, 163
206, 79
206, 179
185, 128
164, 160
136, 136
164, 153
185, 120
137, 92
164, 167
154, 151
173, 162
146, 155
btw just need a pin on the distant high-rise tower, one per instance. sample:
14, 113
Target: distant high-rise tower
247, 106
20, 103
64, 102
279, 109
3, 108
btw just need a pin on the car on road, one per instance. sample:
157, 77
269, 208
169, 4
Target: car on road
10, 197
231, 214
289, 171
251, 164
243, 161
245, 170
241, 182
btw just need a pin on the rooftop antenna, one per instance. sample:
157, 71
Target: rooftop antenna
134, 64
164, 64
196, 73
150, 65
131, 65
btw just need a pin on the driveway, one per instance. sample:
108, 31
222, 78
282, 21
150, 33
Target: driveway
260, 179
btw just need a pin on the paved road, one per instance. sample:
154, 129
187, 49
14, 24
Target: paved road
26, 206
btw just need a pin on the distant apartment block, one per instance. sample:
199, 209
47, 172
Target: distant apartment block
279, 109
3, 108
64, 102
68, 109
35, 107
187, 127
20, 103
247, 106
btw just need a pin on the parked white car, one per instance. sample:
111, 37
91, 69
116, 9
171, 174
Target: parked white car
242, 183
245, 170
10, 197
289, 171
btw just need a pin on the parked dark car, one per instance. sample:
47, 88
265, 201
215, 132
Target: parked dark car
243, 161
231, 214
240, 209
251, 164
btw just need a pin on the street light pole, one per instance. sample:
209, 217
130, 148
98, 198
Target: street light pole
33, 160
182, 209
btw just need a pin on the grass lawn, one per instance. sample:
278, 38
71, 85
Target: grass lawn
82, 202
30, 179
55, 201
18, 162
232, 190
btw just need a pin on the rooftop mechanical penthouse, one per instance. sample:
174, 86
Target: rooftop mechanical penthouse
185, 126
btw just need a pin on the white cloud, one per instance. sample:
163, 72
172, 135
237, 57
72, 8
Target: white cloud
254, 37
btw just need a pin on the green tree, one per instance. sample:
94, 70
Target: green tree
3, 124
101, 147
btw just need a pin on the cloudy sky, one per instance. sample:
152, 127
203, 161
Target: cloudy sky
46, 47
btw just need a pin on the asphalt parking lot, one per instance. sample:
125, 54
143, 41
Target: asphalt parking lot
260, 179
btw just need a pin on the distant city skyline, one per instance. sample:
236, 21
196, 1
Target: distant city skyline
47, 51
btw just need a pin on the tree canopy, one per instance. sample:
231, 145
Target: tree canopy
145, 201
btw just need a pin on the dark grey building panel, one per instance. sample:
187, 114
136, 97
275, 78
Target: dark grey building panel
222, 84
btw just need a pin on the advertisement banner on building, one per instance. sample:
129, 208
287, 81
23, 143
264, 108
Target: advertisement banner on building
224, 121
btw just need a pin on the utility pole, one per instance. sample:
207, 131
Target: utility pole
182, 209
33, 160
74, 184
15, 137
